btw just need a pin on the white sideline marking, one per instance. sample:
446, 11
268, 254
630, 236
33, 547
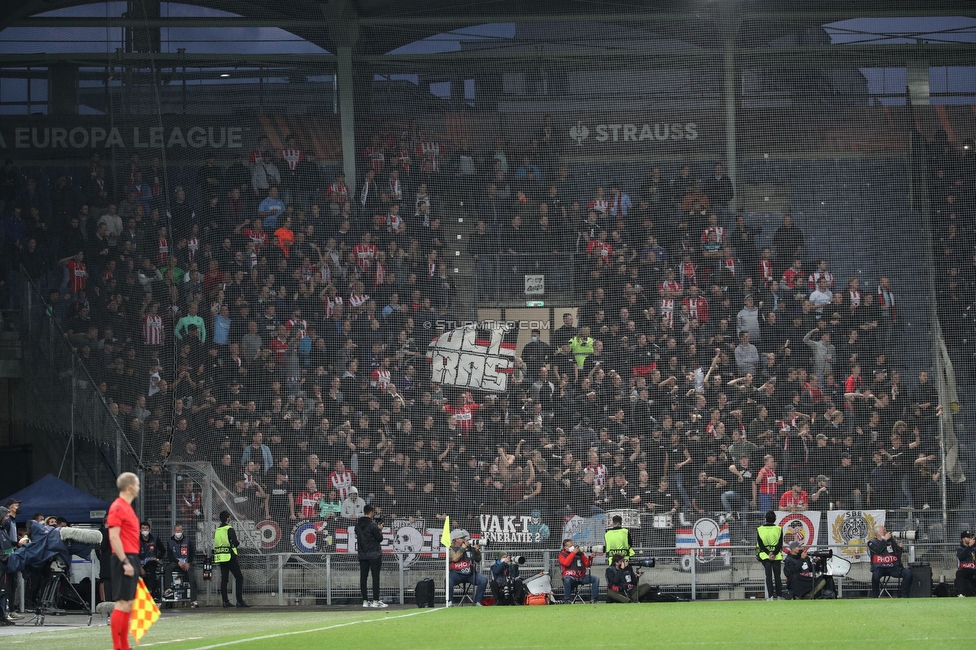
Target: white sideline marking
189, 638
317, 629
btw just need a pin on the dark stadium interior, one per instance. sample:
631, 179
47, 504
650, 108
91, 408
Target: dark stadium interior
152, 325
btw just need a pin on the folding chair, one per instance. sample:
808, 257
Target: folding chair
883, 592
465, 594
575, 595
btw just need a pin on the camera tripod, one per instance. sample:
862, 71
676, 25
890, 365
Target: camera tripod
58, 590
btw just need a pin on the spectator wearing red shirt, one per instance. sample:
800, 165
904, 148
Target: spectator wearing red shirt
463, 413
77, 272
574, 564
342, 479
307, 501
768, 483
123, 533
603, 248
279, 344
795, 499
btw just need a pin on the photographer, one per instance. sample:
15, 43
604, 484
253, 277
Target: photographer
769, 551
369, 539
886, 561
464, 559
966, 573
622, 582
180, 550
507, 585
617, 539
798, 569
574, 564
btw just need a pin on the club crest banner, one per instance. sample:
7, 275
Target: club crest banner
803, 527
706, 540
850, 531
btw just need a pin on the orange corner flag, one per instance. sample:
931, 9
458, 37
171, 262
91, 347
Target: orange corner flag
446, 535
145, 612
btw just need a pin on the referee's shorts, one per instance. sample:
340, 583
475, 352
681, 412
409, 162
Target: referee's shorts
123, 586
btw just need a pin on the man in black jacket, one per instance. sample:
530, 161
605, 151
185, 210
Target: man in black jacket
966, 573
180, 551
622, 582
369, 539
798, 569
886, 561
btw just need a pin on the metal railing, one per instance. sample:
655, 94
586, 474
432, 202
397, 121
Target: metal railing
64, 397
331, 577
288, 579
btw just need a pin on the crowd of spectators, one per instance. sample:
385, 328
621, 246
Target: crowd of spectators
952, 190
273, 323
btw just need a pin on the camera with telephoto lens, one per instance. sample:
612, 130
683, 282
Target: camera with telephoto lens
819, 559
909, 535
647, 562
518, 559
583, 548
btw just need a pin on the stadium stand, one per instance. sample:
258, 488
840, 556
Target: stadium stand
253, 330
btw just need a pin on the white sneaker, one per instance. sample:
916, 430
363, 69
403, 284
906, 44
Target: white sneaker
367, 603
378, 604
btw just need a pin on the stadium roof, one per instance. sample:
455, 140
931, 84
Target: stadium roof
379, 27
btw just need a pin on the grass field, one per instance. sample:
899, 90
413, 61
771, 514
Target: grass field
930, 623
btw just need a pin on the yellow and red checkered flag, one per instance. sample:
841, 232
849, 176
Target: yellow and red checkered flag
145, 612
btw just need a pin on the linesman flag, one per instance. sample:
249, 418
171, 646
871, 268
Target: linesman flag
446, 535
145, 612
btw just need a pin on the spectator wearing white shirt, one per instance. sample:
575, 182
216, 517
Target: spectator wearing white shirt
822, 295
352, 505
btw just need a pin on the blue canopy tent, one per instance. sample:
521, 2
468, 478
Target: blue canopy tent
52, 496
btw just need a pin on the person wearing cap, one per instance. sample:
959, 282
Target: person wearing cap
966, 573
798, 569
10, 524
465, 557
769, 551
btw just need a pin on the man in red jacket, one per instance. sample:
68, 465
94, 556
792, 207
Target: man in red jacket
575, 563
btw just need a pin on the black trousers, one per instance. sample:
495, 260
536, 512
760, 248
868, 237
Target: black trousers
227, 568
966, 582
773, 575
189, 576
365, 567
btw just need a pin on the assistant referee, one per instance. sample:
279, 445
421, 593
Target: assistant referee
123, 534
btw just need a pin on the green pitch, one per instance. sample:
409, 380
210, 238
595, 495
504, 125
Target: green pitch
930, 623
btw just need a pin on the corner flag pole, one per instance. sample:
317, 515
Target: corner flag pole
446, 542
